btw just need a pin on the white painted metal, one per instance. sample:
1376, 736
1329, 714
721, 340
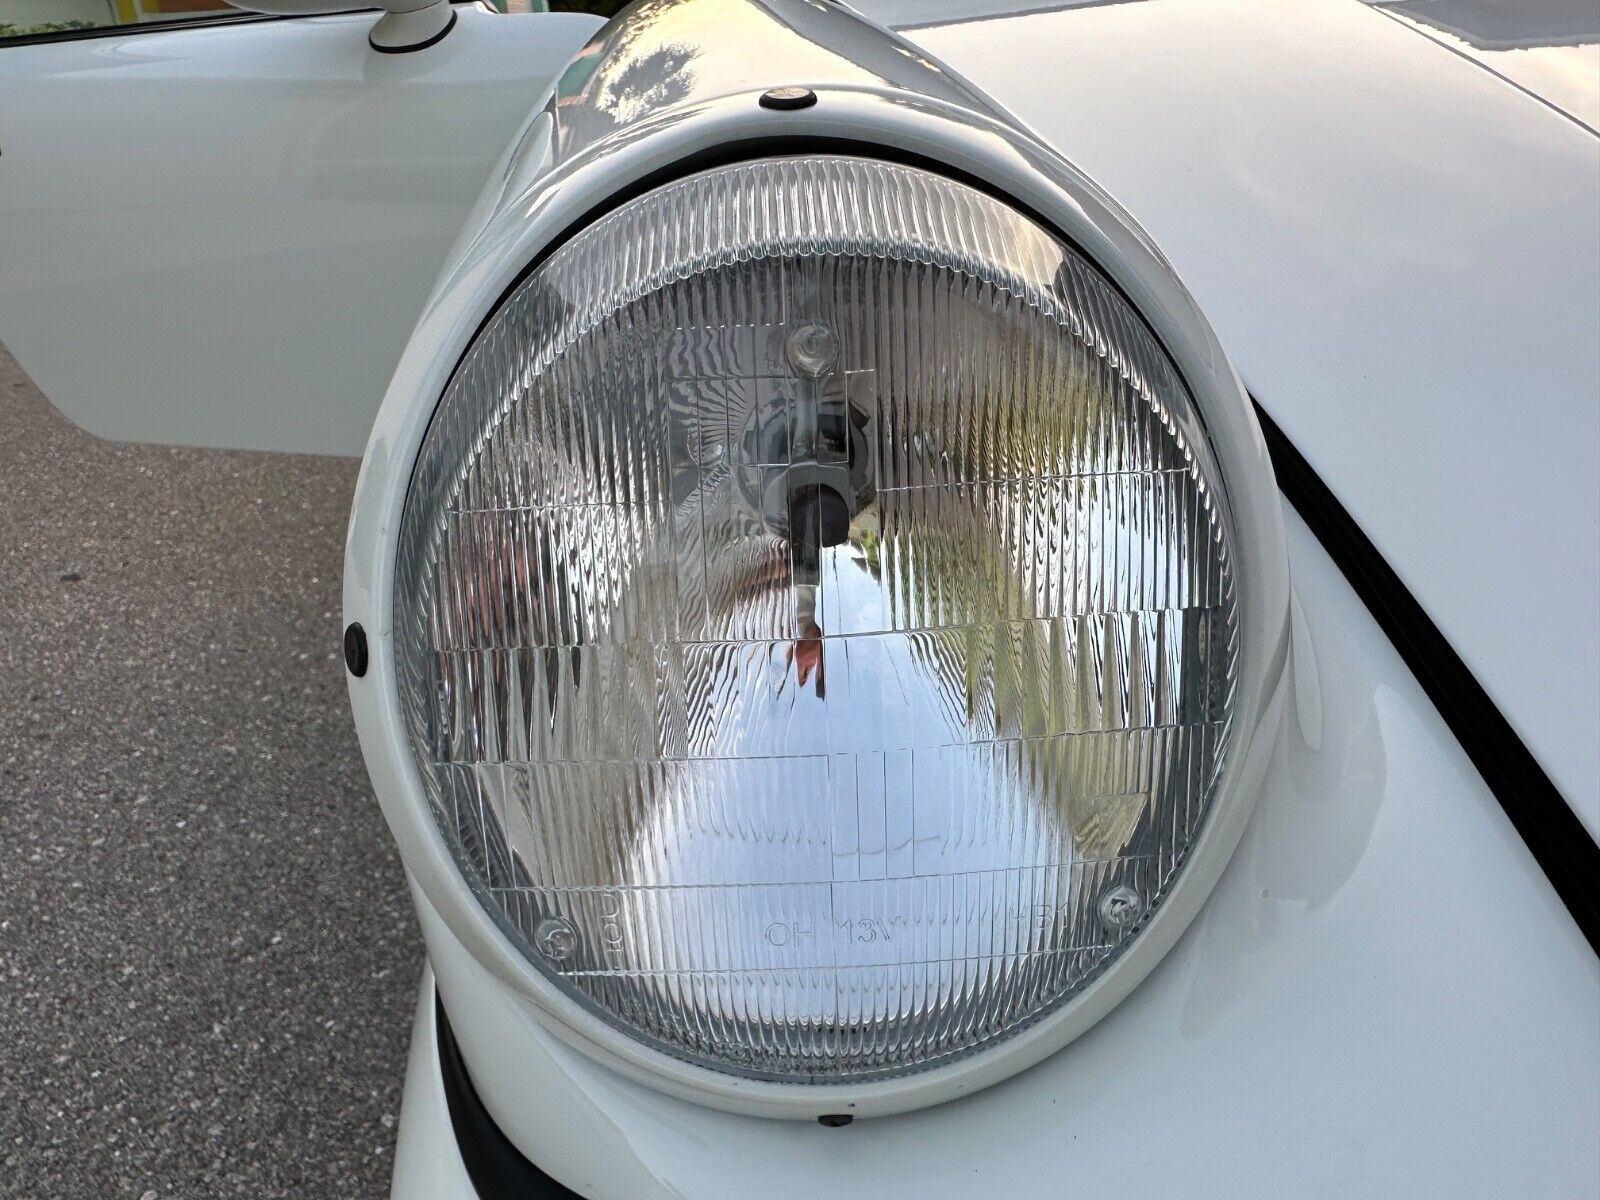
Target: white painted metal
1383, 997
600, 150
427, 1164
222, 236
1401, 254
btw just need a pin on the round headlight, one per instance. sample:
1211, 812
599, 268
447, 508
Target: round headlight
815, 620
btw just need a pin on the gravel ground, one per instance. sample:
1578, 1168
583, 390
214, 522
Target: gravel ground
207, 959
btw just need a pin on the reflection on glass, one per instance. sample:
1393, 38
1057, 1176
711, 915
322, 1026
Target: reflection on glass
815, 595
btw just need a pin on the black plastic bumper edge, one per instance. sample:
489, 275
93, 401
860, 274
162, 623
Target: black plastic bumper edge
497, 1169
1552, 832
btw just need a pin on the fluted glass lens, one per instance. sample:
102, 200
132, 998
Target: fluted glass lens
815, 623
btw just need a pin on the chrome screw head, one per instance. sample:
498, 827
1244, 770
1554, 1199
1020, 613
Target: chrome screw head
1120, 909
556, 938
788, 99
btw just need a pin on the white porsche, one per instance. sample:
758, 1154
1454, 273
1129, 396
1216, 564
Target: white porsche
946, 598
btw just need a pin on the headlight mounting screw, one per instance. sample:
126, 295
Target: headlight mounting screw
1121, 908
787, 99
556, 938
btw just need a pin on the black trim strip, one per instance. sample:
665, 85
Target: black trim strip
495, 1166
1558, 841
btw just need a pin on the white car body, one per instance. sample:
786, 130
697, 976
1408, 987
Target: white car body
1392, 988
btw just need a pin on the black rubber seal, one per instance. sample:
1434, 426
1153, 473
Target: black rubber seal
355, 649
1543, 819
412, 49
497, 1168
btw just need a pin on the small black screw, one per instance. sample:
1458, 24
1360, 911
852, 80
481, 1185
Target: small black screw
835, 1120
787, 99
355, 649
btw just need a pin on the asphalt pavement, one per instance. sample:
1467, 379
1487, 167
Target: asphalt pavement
207, 958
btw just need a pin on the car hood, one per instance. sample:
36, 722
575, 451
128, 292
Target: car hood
1399, 250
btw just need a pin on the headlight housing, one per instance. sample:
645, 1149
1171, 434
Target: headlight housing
816, 623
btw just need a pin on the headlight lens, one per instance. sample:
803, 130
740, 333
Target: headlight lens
815, 621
